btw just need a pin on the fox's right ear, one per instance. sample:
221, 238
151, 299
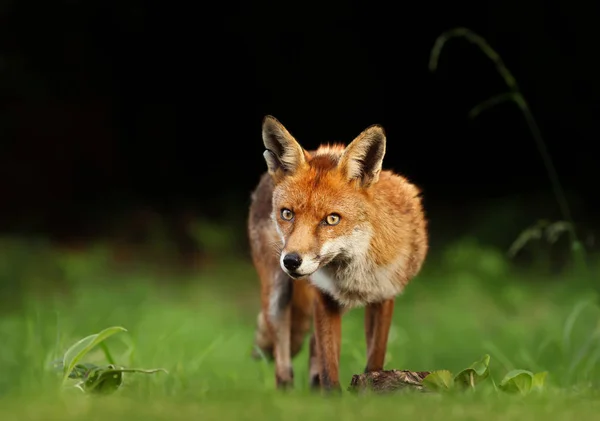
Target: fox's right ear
283, 155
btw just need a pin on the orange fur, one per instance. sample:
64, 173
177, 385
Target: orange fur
330, 230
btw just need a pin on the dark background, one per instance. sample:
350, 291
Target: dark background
129, 107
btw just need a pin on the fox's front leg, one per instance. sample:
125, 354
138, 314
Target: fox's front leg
280, 323
328, 333
378, 319
314, 364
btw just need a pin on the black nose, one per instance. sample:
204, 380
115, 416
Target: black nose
292, 261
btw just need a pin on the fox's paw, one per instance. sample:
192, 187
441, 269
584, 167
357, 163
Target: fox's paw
315, 382
285, 382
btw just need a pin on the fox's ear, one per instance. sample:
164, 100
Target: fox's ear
363, 157
283, 155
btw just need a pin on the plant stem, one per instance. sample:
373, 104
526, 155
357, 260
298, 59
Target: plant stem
107, 353
515, 95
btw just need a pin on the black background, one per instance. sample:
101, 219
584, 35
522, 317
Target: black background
106, 106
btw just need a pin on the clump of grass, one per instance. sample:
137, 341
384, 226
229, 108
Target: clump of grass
542, 230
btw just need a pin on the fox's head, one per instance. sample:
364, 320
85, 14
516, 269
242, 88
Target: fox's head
321, 200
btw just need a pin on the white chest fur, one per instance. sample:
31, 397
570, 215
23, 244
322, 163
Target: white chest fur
360, 283
324, 280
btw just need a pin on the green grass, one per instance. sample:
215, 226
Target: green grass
466, 303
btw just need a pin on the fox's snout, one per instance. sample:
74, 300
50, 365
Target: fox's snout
298, 265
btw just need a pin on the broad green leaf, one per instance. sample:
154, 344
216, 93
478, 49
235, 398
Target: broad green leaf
81, 370
83, 346
106, 380
103, 381
439, 380
539, 380
475, 373
517, 381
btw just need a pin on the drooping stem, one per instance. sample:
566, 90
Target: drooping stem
513, 94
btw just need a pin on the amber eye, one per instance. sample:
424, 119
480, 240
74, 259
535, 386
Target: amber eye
287, 214
332, 219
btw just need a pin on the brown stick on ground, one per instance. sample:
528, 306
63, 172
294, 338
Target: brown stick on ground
387, 381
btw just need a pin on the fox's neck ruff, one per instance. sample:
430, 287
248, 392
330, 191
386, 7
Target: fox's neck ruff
354, 279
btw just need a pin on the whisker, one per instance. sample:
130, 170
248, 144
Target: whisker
276, 246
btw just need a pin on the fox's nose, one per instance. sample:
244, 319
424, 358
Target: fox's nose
292, 261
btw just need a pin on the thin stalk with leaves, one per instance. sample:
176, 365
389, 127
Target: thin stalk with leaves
515, 95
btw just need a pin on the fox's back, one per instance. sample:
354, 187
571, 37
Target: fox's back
261, 229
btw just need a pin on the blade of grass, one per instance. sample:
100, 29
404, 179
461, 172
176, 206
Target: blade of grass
107, 353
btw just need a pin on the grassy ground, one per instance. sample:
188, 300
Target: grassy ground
468, 302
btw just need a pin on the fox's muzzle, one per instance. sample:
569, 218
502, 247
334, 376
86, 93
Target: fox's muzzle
298, 266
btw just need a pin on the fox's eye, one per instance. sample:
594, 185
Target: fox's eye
287, 214
332, 219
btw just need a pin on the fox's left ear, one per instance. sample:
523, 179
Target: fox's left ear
363, 157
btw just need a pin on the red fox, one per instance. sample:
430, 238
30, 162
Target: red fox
330, 231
